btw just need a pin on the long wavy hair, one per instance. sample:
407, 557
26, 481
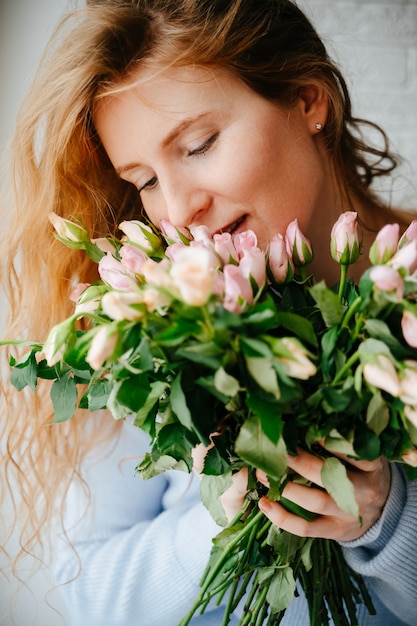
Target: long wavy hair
58, 164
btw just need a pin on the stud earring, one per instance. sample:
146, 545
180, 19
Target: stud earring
319, 126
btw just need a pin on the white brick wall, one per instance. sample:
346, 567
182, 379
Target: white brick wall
374, 42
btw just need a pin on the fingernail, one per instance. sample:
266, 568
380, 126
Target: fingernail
265, 505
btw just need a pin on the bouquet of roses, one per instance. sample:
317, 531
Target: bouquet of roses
209, 340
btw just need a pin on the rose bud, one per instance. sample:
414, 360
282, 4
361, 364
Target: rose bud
68, 231
174, 234
122, 305
252, 265
409, 235
224, 247
409, 328
102, 346
344, 240
383, 375
280, 265
244, 241
298, 245
141, 234
192, 274
385, 245
406, 257
387, 279
237, 289
132, 258
114, 273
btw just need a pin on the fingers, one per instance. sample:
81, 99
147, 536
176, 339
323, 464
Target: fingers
371, 482
328, 527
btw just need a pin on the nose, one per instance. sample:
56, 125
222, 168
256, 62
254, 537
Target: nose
186, 202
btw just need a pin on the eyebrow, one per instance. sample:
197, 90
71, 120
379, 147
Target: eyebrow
167, 141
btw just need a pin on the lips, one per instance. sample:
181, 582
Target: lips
232, 228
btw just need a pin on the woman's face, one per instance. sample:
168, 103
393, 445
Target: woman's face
202, 148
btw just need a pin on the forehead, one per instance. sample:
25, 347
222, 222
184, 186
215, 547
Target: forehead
173, 92
140, 114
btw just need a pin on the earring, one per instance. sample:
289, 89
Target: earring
319, 126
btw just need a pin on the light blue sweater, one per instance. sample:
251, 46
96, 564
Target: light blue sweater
144, 544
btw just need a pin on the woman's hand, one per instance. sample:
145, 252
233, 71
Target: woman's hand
371, 482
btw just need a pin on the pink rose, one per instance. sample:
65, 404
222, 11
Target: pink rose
406, 257
157, 273
224, 247
387, 279
253, 266
113, 273
344, 240
141, 234
192, 274
201, 233
298, 246
122, 305
77, 290
132, 258
279, 262
409, 235
385, 244
174, 234
102, 346
409, 328
244, 241
237, 289
408, 382
383, 375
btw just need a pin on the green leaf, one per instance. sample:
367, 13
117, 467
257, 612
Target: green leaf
25, 372
98, 395
133, 392
299, 325
149, 467
329, 304
268, 413
255, 447
157, 388
174, 441
377, 414
208, 354
281, 589
264, 374
337, 484
226, 384
179, 404
64, 398
211, 488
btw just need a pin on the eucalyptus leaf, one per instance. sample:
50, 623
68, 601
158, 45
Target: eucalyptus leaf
337, 484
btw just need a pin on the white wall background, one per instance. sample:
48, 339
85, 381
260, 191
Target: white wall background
374, 42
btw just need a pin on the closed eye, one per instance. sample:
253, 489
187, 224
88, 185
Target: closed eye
204, 147
150, 184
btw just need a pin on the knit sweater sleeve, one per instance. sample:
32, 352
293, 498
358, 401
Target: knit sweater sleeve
386, 554
139, 548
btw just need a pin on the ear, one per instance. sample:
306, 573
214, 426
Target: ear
314, 102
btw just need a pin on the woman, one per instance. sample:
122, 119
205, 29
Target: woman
226, 113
